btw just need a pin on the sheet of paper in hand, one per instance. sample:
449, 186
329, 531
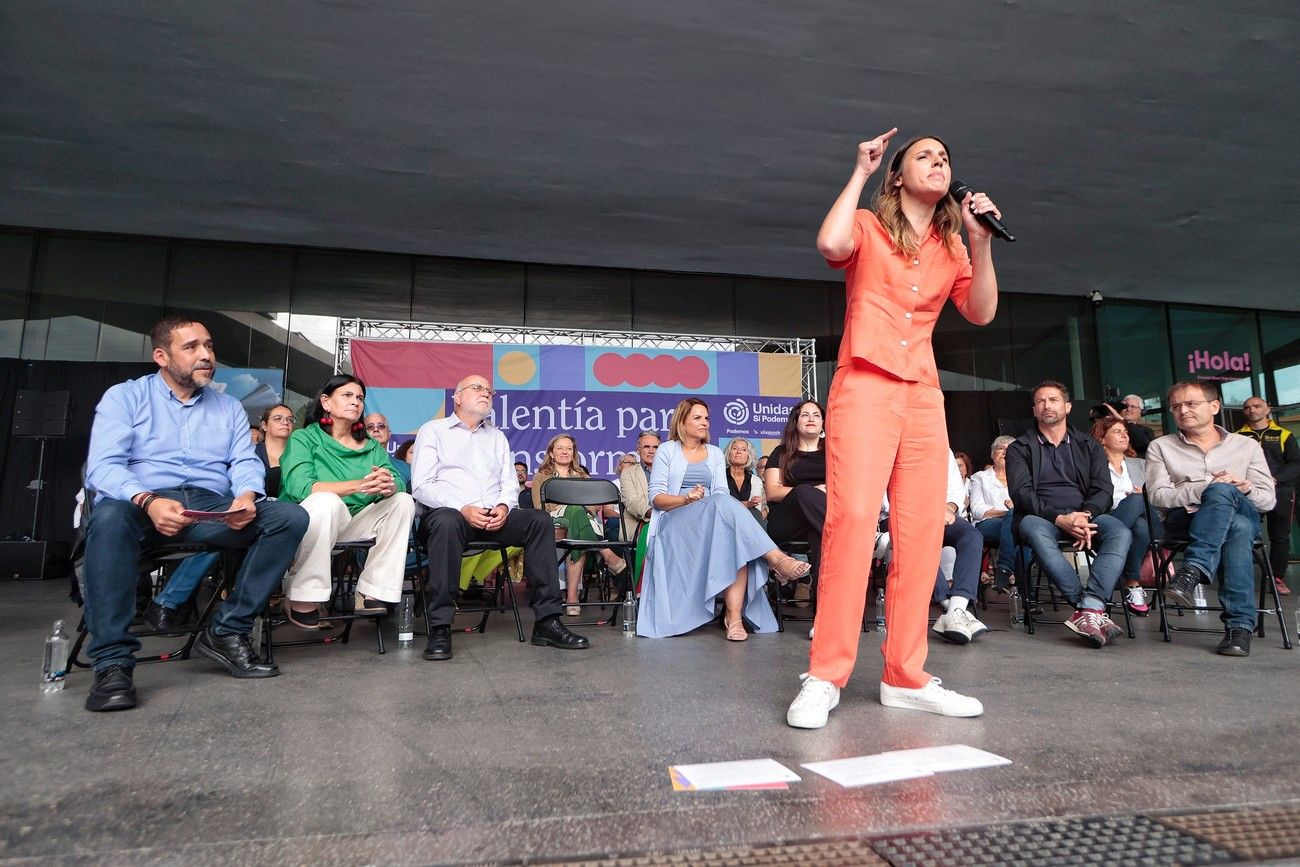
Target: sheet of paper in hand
211, 517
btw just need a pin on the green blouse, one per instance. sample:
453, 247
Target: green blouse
313, 455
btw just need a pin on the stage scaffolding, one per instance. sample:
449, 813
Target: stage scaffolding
444, 332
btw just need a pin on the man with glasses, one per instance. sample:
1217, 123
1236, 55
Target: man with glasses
1215, 485
1139, 435
463, 477
634, 483
1283, 457
379, 431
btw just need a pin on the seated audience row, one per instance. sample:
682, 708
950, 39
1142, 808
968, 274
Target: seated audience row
165, 447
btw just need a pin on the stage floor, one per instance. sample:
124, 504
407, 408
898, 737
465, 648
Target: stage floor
515, 753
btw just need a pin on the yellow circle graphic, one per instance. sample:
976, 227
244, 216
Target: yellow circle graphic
516, 368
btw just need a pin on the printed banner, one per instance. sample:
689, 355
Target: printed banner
602, 396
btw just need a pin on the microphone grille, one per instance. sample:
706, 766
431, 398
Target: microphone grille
958, 189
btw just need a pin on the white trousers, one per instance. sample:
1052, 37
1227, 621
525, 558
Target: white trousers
388, 522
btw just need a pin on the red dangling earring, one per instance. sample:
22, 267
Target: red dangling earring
327, 422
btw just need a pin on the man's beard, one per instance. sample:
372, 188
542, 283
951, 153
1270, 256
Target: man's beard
194, 378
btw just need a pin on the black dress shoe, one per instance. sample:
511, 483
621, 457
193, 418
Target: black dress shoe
439, 646
1236, 642
113, 689
235, 653
166, 620
1182, 586
552, 633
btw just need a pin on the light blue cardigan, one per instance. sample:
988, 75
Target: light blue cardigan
670, 468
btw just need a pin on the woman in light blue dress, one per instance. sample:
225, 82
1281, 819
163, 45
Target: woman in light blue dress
702, 544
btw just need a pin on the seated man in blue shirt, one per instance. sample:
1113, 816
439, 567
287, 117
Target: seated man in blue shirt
161, 445
1059, 481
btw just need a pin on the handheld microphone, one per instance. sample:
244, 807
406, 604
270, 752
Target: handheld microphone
958, 190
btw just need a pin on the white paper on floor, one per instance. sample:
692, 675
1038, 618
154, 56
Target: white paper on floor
730, 775
904, 764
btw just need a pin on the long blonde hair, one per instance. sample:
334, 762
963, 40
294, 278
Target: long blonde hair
887, 203
548, 465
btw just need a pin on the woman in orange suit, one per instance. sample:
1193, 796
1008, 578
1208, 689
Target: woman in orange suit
902, 261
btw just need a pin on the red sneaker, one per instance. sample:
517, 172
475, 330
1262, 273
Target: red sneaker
1109, 629
1135, 599
1087, 625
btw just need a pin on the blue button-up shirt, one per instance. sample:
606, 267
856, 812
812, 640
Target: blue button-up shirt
144, 438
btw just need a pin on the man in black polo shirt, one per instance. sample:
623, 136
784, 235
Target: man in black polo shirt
1060, 484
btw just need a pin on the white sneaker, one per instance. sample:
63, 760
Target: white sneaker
973, 625
931, 698
816, 699
952, 627
811, 630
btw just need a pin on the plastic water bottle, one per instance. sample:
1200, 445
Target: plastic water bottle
629, 616
53, 668
406, 621
1017, 606
880, 610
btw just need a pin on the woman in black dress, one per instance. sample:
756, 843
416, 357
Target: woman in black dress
795, 480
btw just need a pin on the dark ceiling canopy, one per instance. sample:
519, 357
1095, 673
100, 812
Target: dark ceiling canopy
1142, 148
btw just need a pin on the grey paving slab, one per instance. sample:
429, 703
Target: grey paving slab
510, 751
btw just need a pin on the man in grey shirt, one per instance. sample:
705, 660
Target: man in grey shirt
464, 480
1214, 485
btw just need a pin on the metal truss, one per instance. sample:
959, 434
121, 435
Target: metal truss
446, 332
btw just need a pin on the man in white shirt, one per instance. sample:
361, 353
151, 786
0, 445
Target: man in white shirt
463, 477
1214, 486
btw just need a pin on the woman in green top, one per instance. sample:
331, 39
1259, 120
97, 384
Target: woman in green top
351, 491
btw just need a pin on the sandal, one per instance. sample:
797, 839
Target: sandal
301, 619
572, 611
362, 604
788, 569
736, 631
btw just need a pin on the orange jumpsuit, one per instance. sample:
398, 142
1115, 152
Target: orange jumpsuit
885, 427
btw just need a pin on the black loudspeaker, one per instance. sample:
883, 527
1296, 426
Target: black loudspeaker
22, 561
41, 414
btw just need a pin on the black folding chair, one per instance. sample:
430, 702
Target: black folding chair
346, 565
1163, 552
795, 548
154, 569
503, 594
587, 493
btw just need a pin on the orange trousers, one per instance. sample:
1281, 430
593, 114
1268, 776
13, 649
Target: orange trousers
880, 432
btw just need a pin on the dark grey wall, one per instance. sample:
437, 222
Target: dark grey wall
1140, 147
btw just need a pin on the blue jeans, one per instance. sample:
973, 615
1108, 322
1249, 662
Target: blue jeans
1129, 513
1042, 537
185, 579
969, 545
118, 531
997, 531
1222, 532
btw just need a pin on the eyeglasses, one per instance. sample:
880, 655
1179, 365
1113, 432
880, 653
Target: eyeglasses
376, 427
481, 389
282, 419
1189, 404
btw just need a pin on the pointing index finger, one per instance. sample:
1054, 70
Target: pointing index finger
885, 137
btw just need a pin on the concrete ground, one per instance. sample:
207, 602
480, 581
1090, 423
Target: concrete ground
515, 752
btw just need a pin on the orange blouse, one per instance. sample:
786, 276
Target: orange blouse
894, 299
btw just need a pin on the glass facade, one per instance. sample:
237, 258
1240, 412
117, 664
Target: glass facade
67, 296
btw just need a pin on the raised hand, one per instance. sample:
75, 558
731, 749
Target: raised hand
870, 153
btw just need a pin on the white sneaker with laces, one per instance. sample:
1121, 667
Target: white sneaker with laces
816, 699
952, 627
931, 698
972, 623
